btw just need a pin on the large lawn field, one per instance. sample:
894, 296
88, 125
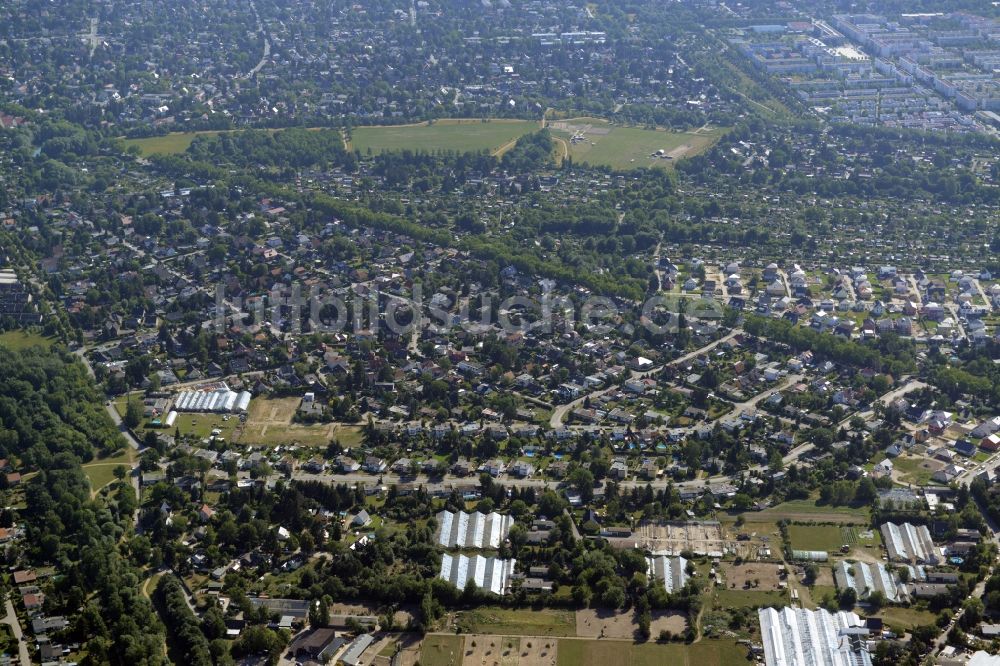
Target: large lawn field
168, 144
442, 650
459, 135
602, 144
17, 340
519, 622
576, 652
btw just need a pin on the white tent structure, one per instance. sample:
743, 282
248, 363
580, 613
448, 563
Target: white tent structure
220, 399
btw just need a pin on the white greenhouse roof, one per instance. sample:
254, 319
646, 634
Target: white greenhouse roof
909, 543
800, 637
671, 570
865, 578
472, 530
490, 573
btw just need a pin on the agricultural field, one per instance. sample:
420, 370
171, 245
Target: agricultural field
18, 340
458, 135
603, 623
598, 143
603, 653
816, 537
509, 650
519, 622
760, 576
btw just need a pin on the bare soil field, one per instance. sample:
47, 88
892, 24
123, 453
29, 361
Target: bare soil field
601, 623
744, 576
673, 537
492, 650
401, 617
270, 423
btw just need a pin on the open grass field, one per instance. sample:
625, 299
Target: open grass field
442, 650
201, 425
816, 537
722, 598
17, 340
101, 472
906, 618
168, 144
916, 470
602, 144
459, 135
812, 596
620, 653
518, 622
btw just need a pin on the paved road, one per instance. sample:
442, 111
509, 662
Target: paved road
15, 627
982, 293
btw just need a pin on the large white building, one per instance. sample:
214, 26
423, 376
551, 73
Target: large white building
800, 637
909, 543
472, 530
672, 571
490, 573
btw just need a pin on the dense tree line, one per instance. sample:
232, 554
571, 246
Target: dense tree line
296, 148
51, 415
49, 406
182, 625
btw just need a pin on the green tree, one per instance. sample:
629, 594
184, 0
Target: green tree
133, 414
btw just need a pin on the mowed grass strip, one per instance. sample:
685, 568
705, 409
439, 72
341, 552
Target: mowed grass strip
808, 509
518, 622
442, 650
578, 652
816, 537
462, 136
